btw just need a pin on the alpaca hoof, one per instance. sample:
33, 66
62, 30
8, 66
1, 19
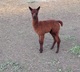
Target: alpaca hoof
57, 51
41, 50
51, 48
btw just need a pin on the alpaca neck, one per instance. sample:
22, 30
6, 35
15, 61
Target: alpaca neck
35, 22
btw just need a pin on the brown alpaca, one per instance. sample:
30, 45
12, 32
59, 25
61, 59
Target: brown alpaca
42, 27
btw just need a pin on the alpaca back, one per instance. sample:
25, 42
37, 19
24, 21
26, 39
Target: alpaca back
47, 26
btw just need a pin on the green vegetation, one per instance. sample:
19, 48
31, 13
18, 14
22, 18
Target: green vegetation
75, 50
11, 66
69, 37
69, 70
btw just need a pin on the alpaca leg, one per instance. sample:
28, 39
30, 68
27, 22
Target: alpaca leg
41, 40
53, 44
53, 35
58, 43
53, 39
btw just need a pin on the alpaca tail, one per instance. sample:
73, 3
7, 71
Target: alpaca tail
60, 22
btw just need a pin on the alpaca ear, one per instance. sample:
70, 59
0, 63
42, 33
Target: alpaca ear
30, 8
38, 8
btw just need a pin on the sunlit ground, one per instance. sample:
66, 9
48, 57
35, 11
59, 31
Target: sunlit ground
18, 6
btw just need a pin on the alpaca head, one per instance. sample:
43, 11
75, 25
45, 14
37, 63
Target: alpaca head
34, 12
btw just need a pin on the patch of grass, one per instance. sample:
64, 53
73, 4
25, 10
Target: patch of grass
11, 66
68, 70
55, 62
31, 1
69, 37
60, 69
75, 50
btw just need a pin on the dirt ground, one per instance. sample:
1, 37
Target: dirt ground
19, 47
